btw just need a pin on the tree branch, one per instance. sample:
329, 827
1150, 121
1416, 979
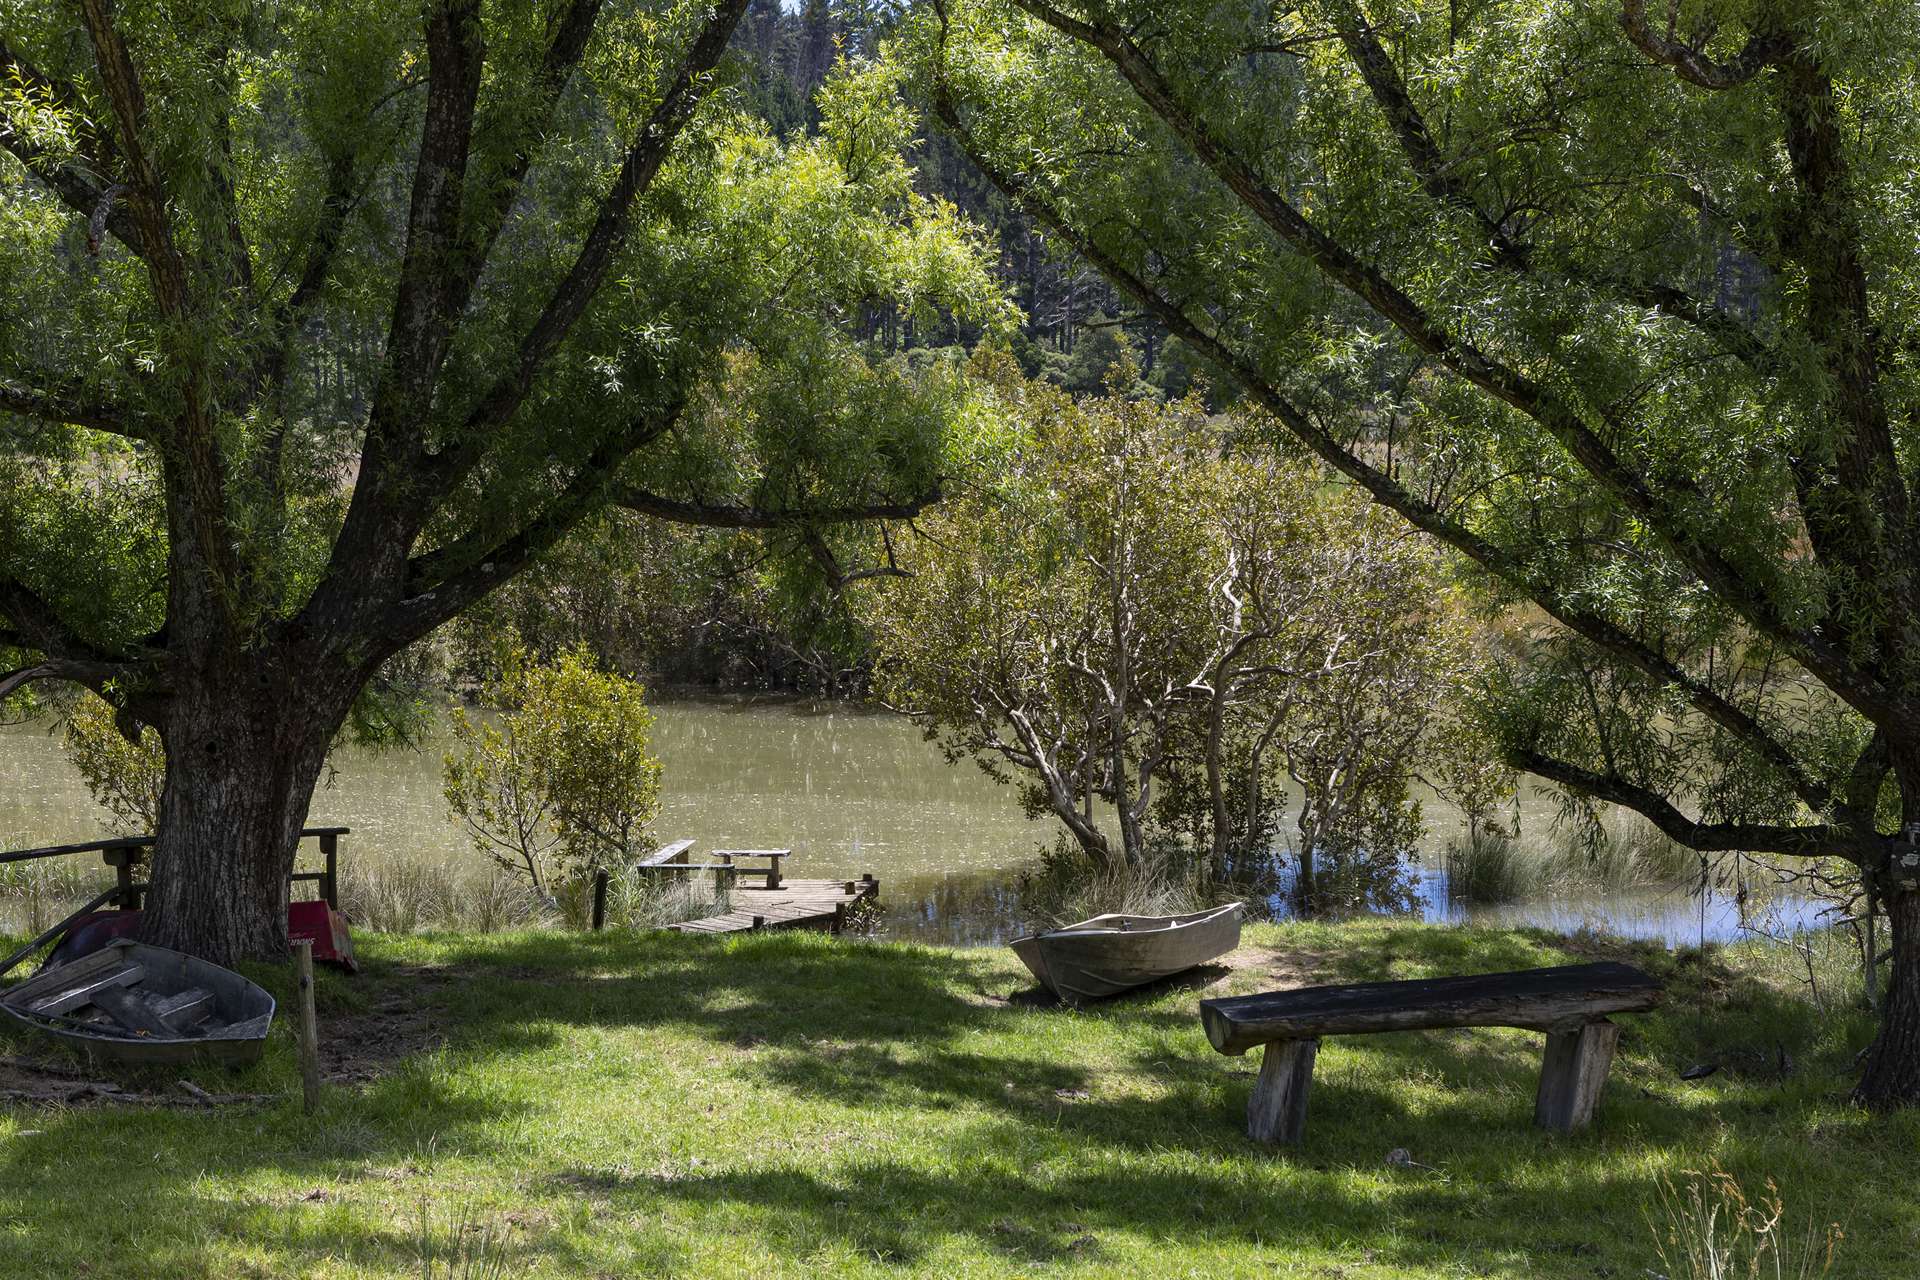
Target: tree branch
1812, 841
1438, 178
444, 582
734, 516
1384, 488
1689, 62
77, 188
147, 194
71, 410
1862, 688
612, 222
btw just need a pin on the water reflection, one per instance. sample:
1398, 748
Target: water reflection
1676, 915
850, 791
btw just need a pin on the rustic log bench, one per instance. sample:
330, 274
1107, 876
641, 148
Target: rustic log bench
1570, 1003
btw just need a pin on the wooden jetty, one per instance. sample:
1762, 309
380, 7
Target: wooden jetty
796, 904
777, 903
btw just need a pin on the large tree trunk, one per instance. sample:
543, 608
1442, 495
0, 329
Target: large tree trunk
244, 750
1892, 1077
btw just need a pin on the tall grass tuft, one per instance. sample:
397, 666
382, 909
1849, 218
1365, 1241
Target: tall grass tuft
410, 894
1068, 886
36, 895
1490, 867
1708, 1228
471, 1248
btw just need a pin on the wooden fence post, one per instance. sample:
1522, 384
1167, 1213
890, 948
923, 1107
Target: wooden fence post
308, 1024
599, 900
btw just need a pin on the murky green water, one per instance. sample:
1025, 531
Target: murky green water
849, 791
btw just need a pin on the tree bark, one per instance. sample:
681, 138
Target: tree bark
1892, 1076
1305, 892
245, 745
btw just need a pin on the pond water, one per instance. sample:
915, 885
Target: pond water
850, 791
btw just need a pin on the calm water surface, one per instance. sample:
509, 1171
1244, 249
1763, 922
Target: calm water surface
849, 791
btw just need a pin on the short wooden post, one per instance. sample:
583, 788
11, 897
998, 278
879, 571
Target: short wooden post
1277, 1109
839, 917
309, 1026
870, 885
330, 878
1572, 1074
759, 922
599, 900
1868, 946
125, 860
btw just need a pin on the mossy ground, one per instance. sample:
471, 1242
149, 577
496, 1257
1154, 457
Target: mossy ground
777, 1105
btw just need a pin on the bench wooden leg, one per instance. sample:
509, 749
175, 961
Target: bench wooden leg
1277, 1111
1572, 1075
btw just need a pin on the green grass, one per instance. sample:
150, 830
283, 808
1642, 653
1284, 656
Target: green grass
783, 1105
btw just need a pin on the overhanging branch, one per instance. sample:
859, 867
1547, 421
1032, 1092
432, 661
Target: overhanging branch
79, 186
1810, 841
736, 516
69, 409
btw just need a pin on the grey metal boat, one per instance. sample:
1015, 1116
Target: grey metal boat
1109, 954
135, 1003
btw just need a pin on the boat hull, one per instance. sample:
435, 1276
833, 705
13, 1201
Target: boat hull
1107, 955
234, 1031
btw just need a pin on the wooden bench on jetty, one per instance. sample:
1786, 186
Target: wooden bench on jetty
1570, 1003
778, 903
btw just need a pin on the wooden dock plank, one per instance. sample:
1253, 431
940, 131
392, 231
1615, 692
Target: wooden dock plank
795, 904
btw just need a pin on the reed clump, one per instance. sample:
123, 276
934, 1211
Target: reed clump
1490, 866
1067, 886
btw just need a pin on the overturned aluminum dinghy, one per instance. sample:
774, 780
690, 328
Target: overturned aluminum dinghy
1110, 954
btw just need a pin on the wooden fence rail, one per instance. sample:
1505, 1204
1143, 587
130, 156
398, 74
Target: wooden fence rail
123, 854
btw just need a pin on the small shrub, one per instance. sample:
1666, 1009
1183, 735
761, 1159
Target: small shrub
125, 777
563, 783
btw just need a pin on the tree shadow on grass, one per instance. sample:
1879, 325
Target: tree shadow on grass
1057, 1147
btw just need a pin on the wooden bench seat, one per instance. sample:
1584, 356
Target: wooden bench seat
772, 857
667, 854
1570, 1003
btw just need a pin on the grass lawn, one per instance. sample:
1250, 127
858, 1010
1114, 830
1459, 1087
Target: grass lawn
784, 1104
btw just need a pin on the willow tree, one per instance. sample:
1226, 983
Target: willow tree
1621, 304
320, 321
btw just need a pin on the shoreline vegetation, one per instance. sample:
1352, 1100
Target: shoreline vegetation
551, 1104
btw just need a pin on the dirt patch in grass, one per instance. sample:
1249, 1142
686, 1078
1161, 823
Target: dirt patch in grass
1275, 968
400, 1020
